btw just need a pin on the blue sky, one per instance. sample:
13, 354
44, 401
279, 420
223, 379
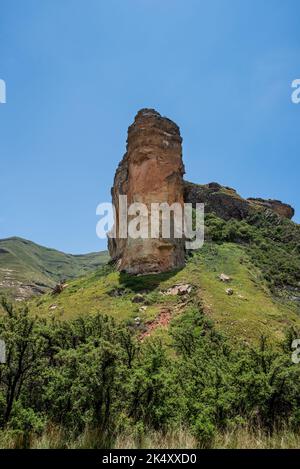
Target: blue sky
77, 71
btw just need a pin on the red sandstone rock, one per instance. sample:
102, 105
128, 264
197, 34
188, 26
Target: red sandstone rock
150, 171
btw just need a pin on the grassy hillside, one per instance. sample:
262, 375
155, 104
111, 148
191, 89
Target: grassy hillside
250, 311
27, 268
260, 255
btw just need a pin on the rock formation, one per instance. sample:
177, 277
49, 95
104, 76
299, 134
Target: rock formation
282, 209
225, 202
151, 171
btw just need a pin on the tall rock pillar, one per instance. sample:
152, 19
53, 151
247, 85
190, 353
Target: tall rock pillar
151, 171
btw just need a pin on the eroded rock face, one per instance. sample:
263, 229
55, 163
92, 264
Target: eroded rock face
151, 171
226, 203
282, 209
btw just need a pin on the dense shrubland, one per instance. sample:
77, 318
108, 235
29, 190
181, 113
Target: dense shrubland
90, 380
273, 244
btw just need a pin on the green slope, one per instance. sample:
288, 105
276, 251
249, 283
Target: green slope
27, 268
260, 254
252, 310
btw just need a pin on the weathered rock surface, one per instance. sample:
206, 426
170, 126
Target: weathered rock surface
150, 171
224, 278
223, 201
282, 209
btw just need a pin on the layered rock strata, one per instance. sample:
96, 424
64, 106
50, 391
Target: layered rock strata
226, 203
151, 171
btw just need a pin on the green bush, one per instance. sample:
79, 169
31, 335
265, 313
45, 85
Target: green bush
273, 244
92, 373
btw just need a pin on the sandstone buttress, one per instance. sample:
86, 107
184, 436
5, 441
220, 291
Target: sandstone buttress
151, 171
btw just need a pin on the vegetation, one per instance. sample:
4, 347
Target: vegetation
237, 248
273, 244
81, 372
90, 382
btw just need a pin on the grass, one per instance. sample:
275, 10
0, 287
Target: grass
96, 293
252, 310
27, 268
239, 438
180, 438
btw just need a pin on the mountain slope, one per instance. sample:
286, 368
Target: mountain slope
250, 311
260, 254
27, 268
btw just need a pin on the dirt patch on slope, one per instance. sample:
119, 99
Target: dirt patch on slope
162, 320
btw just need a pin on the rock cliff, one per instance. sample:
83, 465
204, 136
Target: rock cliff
226, 203
151, 171
282, 209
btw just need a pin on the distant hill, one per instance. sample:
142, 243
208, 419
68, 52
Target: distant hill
27, 268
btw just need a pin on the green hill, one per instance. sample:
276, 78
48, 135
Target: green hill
260, 254
198, 357
27, 268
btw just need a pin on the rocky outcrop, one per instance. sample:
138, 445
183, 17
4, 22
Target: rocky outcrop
226, 203
282, 209
150, 171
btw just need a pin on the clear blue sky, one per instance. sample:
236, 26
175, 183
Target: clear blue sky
78, 70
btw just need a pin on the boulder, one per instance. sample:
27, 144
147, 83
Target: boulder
224, 278
138, 298
181, 289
